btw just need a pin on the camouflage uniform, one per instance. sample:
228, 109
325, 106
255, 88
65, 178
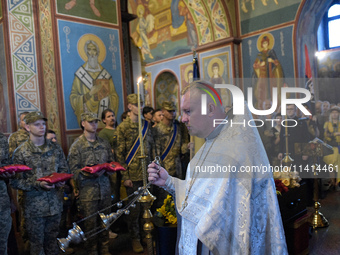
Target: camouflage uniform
5, 208
172, 162
162, 134
94, 192
16, 139
127, 133
110, 135
42, 208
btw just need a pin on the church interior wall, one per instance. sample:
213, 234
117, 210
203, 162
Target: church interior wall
40, 45
328, 71
5, 125
45, 49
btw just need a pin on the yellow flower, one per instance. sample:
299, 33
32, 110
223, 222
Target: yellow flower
168, 210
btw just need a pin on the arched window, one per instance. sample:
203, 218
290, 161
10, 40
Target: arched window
328, 32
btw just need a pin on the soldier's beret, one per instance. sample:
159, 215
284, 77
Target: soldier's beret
33, 117
133, 99
169, 106
89, 116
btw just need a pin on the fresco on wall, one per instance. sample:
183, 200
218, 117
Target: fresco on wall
5, 124
91, 70
267, 70
260, 14
167, 28
187, 75
147, 89
100, 10
329, 75
267, 61
216, 68
158, 25
23, 48
175, 66
166, 89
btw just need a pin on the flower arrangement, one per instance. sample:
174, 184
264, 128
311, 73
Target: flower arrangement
168, 210
280, 187
286, 179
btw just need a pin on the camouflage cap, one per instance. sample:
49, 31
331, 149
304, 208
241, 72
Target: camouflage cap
89, 116
169, 106
133, 99
33, 117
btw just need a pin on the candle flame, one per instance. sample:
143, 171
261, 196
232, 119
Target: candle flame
139, 79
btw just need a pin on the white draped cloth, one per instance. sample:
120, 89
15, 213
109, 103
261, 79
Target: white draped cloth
230, 213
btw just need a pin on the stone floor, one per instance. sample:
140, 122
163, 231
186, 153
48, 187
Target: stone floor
326, 241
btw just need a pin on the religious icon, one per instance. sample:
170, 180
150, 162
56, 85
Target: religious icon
267, 71
92, 89
187, 75
143, 28
216, 73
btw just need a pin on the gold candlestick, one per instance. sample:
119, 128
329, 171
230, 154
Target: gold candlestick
147, 198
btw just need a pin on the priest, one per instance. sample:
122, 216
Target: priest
224, 207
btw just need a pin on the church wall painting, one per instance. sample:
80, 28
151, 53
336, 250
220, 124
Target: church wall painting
165, 29
76, 40
98, 10
48, 56
5, 124
23, 51
216, 67
268, 55
261, 14
173, 66
147, 90
161, 30
328, 73
186, 74
166, 89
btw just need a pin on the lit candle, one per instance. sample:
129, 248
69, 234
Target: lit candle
140, 116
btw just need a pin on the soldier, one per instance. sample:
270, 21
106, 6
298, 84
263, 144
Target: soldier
128, 151
108, 133
147, 113
5, 208
19, 136
42, 202
93, 190
171, 140
16, 139
51, 135
157, 116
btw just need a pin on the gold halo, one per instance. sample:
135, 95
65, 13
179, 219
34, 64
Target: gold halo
220, 64
186, 71
81, 43
271, 41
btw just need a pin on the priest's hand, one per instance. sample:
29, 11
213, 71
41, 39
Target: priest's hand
157, 174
